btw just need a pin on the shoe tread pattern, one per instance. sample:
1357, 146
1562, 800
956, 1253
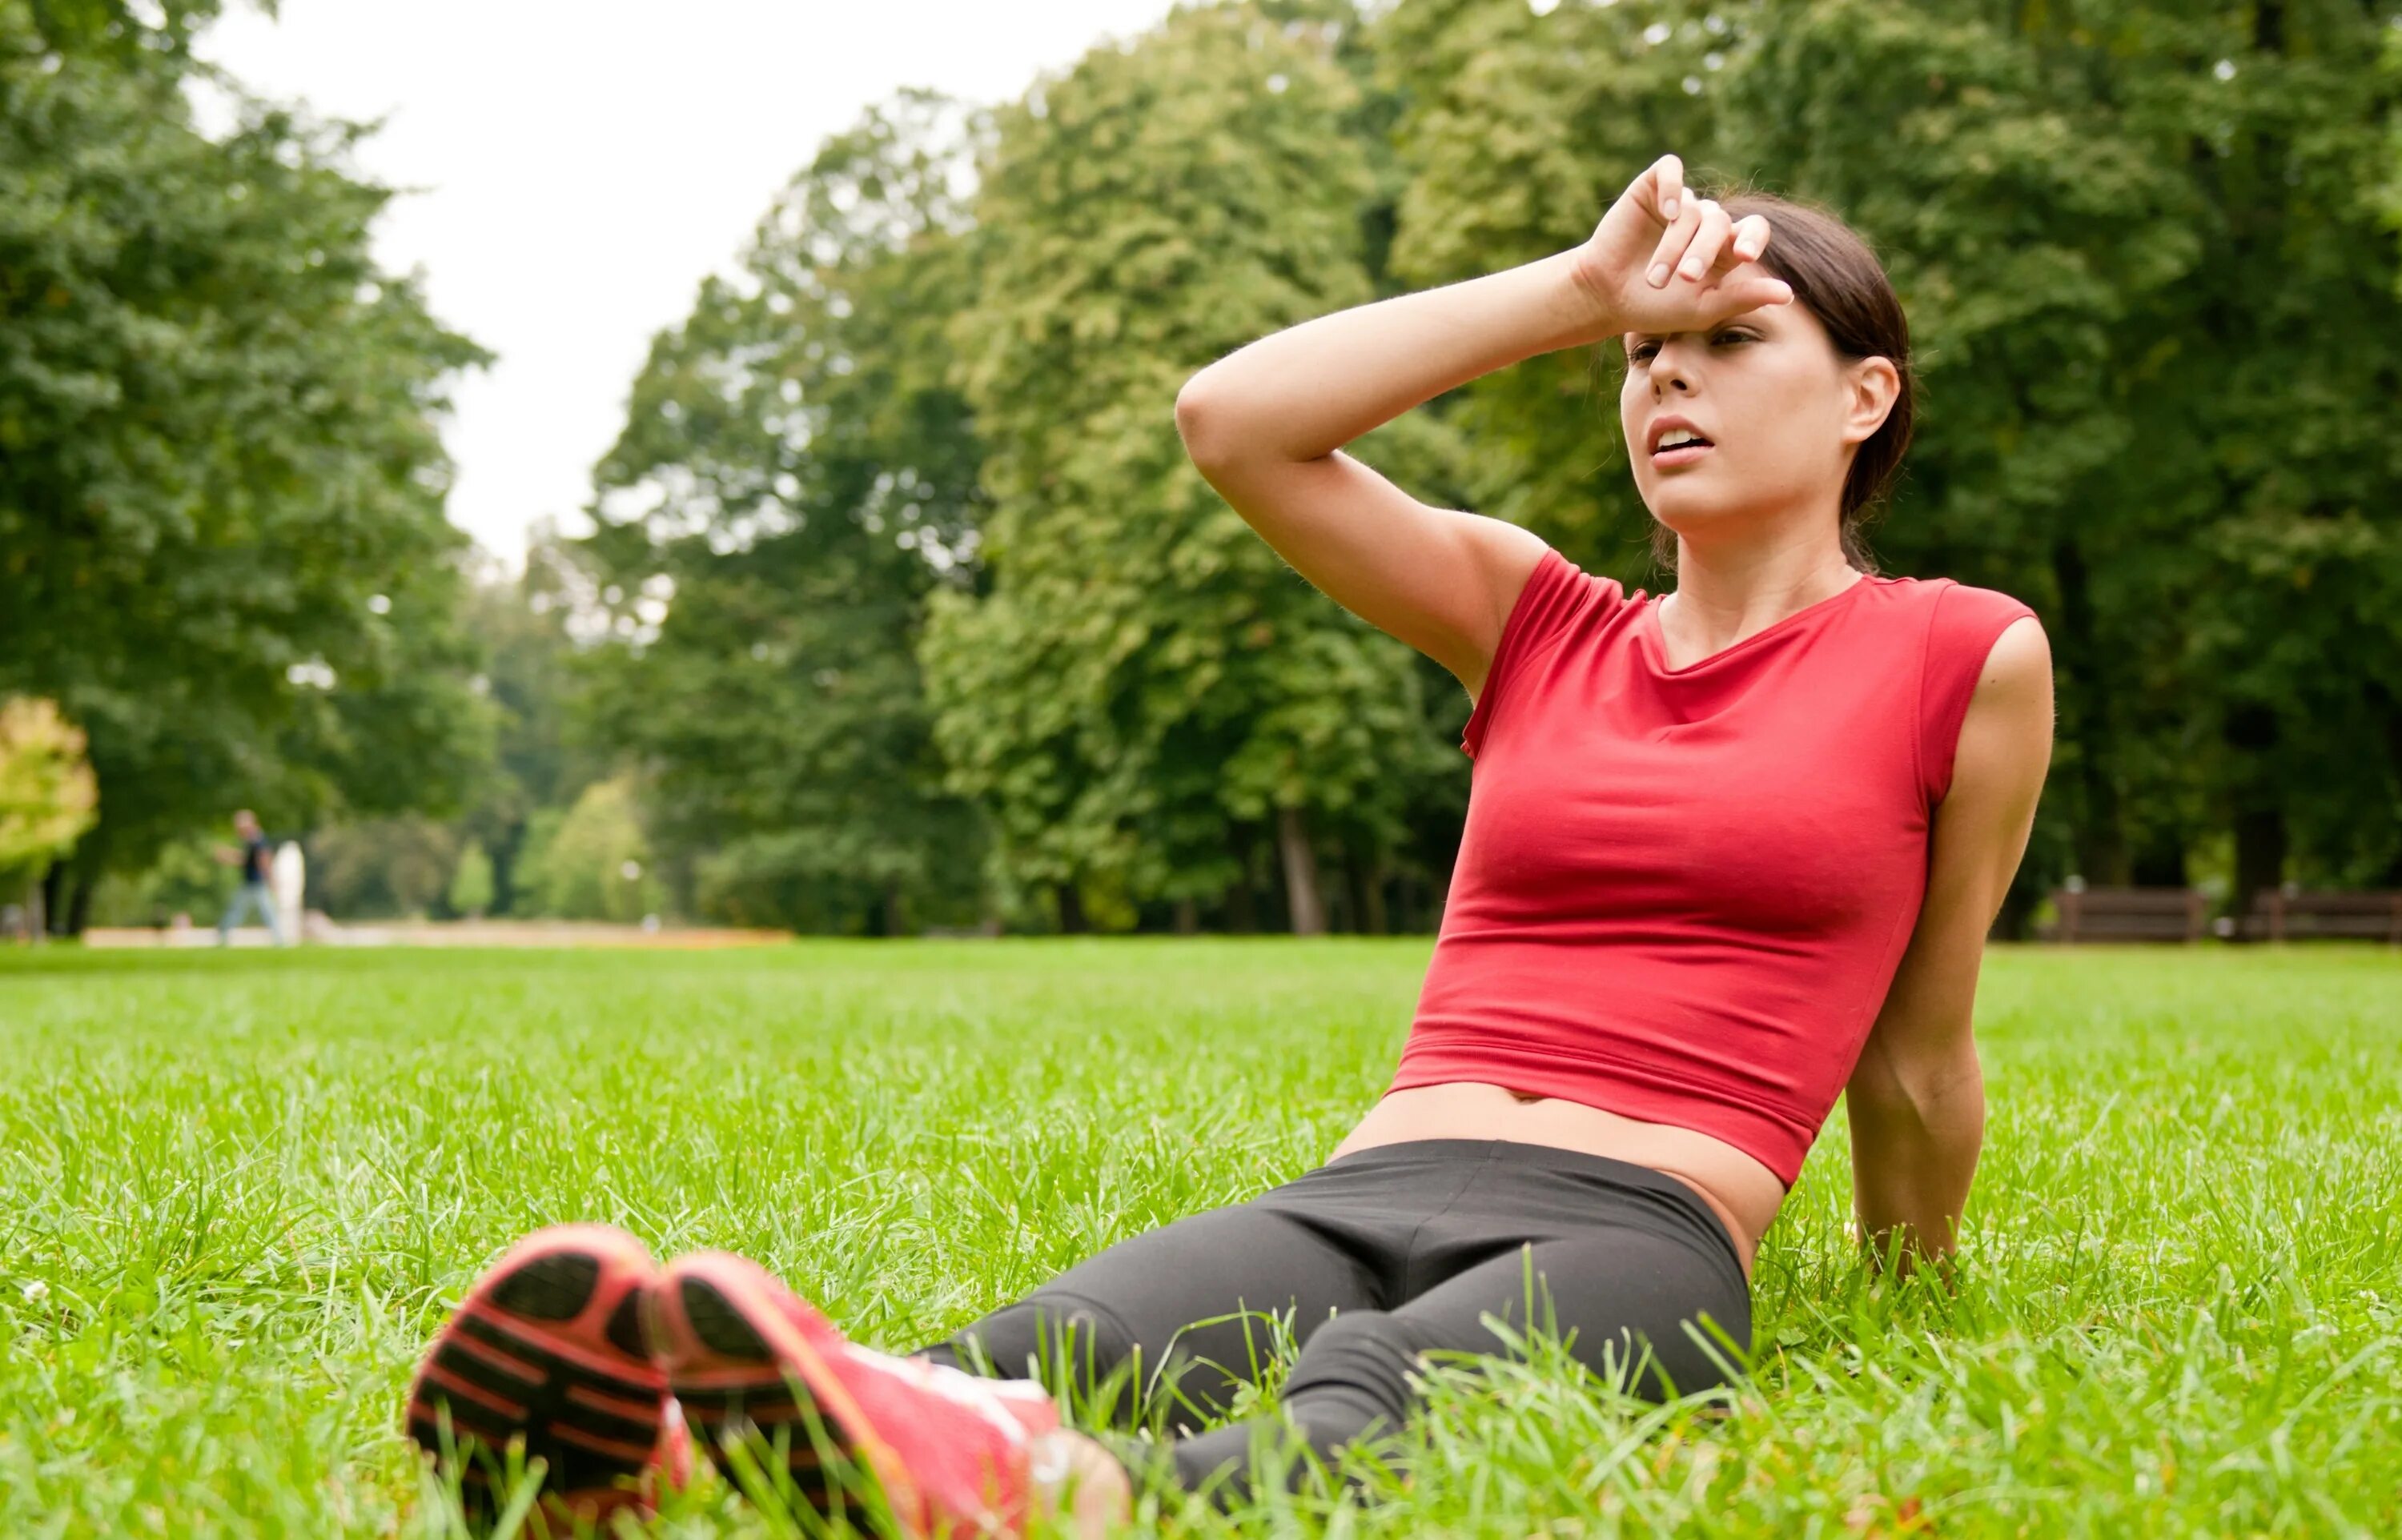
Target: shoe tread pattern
769, 1406
516, 1384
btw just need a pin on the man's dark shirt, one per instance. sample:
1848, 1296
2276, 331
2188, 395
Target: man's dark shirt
254, 858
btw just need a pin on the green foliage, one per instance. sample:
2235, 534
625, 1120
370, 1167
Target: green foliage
2152, 302
395, 868
593, 863
795, 477
1143, 678
222, 546
2150, 254
470, 885
263, 1180
182, 879
529, 685
47, 796
1513, 132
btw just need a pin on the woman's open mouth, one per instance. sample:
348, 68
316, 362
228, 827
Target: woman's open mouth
1684, 453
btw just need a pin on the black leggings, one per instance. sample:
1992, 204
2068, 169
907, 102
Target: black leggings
1404, 1247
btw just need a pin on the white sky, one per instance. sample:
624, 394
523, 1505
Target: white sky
580, 166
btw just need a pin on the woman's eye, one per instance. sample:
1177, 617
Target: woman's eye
1642, 351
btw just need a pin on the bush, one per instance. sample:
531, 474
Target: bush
471, 886
593, 864
48, 794
385, 868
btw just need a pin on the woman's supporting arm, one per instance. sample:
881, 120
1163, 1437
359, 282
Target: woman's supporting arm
1917, 1099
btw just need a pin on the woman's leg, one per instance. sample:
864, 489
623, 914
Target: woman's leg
1180, 1310
1615, 1289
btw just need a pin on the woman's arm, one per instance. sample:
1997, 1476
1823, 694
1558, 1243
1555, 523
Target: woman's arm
1265, 424
1917, 1099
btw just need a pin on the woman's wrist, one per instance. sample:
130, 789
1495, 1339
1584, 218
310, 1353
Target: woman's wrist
1585, 314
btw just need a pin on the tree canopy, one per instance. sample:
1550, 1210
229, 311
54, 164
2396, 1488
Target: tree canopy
222, 545
904, 606
2149, 255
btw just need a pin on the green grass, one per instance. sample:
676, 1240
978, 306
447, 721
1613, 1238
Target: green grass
240, 1190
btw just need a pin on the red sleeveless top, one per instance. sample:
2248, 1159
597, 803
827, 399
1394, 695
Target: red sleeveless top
1682, 893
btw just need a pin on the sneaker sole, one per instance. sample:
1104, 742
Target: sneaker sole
732, 1357
549, 1346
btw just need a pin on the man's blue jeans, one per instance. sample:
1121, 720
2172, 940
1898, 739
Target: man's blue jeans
248, 896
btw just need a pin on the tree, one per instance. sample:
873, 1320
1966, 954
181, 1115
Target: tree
394, 868
794, 478
222, 547
594, 863
528, 682
47, 795
1144, 689
470, 885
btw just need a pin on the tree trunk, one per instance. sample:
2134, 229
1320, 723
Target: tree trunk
892, 916
54, 899
1242, 903
2251, 732
1188, 917
2259, 855
1367, 879
2101, 840
1300, 873
2387, 707
1072, 909
89, 856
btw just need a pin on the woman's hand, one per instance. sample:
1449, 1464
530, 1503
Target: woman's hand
1662, 260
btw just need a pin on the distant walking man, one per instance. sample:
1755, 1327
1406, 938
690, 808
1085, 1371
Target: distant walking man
253, 856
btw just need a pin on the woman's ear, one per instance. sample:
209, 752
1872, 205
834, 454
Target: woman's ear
1873, 384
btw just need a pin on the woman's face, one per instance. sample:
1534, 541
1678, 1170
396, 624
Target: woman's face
1781, 413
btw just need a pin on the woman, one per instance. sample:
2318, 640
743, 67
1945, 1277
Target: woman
1730, 851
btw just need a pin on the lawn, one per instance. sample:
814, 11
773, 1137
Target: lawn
241, 1189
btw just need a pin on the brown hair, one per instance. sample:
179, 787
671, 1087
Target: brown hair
1832, 270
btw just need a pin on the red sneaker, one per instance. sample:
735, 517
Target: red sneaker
549, 1346
949, 1448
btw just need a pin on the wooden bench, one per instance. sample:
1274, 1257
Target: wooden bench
2128, 915
2277, 915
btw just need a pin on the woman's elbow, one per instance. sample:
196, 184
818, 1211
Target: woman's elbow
1199, 420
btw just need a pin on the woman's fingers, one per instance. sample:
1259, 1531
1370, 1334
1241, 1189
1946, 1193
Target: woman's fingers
1674, 241
1750, 239
1754, 291
1669, 184
1709, 238
1734, 278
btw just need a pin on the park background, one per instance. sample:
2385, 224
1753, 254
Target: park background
898, 605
